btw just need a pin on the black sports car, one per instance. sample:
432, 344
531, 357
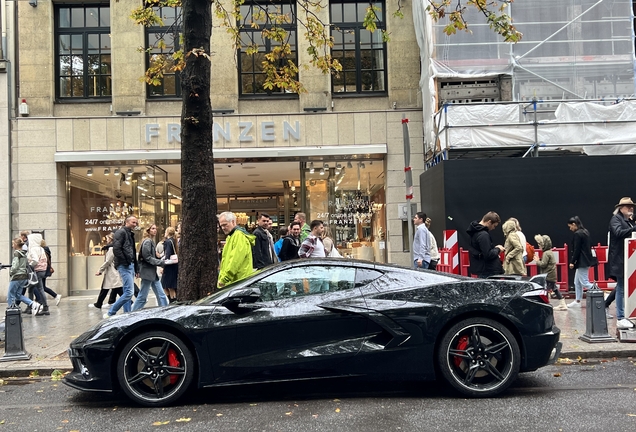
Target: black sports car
324, 318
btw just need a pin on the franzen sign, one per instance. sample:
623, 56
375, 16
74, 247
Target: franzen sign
266, 130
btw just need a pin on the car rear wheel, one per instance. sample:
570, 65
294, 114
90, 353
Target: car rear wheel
155, 368
479, 357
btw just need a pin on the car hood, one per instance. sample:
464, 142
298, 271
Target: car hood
179, 315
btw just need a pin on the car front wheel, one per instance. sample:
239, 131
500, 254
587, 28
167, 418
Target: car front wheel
479, 357
155, 368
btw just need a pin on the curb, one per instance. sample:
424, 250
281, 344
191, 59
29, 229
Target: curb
26, 373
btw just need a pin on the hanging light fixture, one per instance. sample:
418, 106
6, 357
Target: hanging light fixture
129, 173
311, 168
106, 171
116, 171
322, 171
144, 176
89, 172
293, 188
150, 173
362, 165
338, 168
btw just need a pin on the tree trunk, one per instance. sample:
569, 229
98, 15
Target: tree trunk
198, 256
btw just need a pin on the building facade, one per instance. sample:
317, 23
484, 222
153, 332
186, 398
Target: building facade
99, 143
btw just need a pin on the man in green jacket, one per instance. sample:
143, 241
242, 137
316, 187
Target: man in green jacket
236, 261
304, 230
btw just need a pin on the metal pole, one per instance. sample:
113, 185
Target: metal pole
536, 129
408, 181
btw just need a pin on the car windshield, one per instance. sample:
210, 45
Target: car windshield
220, 294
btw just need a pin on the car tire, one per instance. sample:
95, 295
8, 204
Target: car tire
155, 368
479, 357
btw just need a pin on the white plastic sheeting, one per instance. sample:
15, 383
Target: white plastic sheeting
582, 49
576, 124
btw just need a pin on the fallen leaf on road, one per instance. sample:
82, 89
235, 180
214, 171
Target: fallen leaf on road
219, 415
557, 374
631, 415
336, 400
39, 391
253, 404
161, 423
288, 413
337, 409
184, 419
314, 415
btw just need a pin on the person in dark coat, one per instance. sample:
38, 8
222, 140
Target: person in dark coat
291, 243
621, 227
581, 259
484, 256
170, 272
263, 248
125, 263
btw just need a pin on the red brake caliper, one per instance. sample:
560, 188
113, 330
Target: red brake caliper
173, 361
461, 346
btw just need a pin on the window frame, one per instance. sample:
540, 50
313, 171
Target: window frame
245, 29
84, 32
357, 27
176, 33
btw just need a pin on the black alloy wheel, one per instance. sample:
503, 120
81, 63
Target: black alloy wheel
479, 357
155, 368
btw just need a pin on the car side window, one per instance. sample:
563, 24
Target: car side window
306, 280
366, 276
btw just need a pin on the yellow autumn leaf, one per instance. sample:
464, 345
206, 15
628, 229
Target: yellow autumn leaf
219, 415
557, 374
631, 415
161, 423
337, 409
184, 419
288, 413
64, 421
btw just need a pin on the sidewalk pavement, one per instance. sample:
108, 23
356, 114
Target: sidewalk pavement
48, 337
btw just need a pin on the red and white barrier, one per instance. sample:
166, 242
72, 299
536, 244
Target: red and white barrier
630, 278
450, 243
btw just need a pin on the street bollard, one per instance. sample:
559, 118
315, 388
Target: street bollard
595, 319
13, 339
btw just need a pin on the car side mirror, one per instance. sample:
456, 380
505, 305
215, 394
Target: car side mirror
242, 301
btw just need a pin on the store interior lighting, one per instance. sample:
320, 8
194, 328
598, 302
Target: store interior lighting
116, 171
293, 188
89, 172
150, 173
322, 171
129, 173
311, 168
106, 171
144, 176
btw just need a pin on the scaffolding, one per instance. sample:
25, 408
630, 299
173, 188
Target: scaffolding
578, 51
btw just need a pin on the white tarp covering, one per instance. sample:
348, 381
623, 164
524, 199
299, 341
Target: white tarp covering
582, 49
475, 126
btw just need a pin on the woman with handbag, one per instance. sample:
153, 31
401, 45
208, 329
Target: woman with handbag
18, 278
581, 260
112, 280
148, 263
169, 277
36, 258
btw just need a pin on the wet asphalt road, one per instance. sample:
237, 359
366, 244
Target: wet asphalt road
597, 396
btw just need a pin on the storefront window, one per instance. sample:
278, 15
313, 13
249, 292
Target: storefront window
349, 198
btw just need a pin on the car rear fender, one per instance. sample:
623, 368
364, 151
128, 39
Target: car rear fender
480, 313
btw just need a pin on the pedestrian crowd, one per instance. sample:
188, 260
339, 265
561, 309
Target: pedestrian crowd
490, 260
244, 253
